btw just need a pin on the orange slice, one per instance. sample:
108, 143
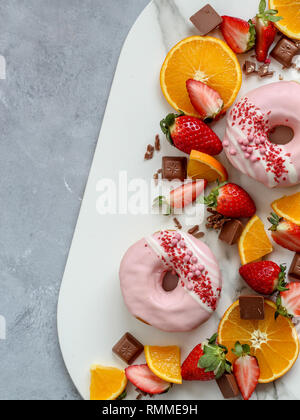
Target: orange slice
107, 383
290, 11
254, 242
203, 166
206, 59
274, 343
288, 207
164, 362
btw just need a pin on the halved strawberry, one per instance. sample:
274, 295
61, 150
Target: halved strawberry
288, 302
264, 277
206, 362
182, 196
206, 101
265, 30
187, 194
142, 377
285, 233
239, 34
245, 370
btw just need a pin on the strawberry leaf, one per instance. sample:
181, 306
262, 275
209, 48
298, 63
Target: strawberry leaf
268, 15
214, 358
162, 203
274, 18
241, 350
281, 310
122, 396
282, 279
262, 6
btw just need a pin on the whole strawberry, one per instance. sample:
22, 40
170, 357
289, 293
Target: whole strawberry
190, 133
239, 34
246, 370
206, 362
288, 302
265, 30
231, 200
264, 277
285, 233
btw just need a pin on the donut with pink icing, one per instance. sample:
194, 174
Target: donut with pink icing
194, 299
247, 140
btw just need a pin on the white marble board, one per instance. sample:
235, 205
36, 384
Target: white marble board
91, 312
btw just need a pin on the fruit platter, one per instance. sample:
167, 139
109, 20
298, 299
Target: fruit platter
183, 279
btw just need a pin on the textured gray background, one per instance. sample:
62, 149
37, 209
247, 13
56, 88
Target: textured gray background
61, 56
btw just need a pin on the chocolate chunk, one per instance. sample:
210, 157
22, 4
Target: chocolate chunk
193, 230
228, 386
128, 348
284, 51
281, 134
174, 168
216, 221
206, 19
170, 281
294, 273
199, 235
252, 307
148, 156
231, 232
177, 223
249, 67
264, 70
150, 148
157, 143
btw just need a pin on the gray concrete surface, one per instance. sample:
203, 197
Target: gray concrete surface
61, 56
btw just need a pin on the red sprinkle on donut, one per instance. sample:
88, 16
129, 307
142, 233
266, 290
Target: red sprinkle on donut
201, 285
257, 127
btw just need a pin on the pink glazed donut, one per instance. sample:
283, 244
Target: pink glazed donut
249, 124
196, 296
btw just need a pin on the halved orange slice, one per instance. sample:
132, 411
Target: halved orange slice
164, 362
254, 242
107, 383
274, 343
288, 207
203, 166
206, 59
290, 11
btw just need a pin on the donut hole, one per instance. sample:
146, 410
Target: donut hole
281, 134
170, 281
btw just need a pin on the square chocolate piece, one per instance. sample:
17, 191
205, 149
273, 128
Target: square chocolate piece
174, 168
206, 19
252, 307
228, 386
284, 51
294, 273
249, 67
231, 232
128, 349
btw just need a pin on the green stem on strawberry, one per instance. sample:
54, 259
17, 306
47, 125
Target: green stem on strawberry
122, 396
214, 358
212, 199
268, 15
167, 123
275, 220
241, 350
281, 310
162, 203
282, 279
